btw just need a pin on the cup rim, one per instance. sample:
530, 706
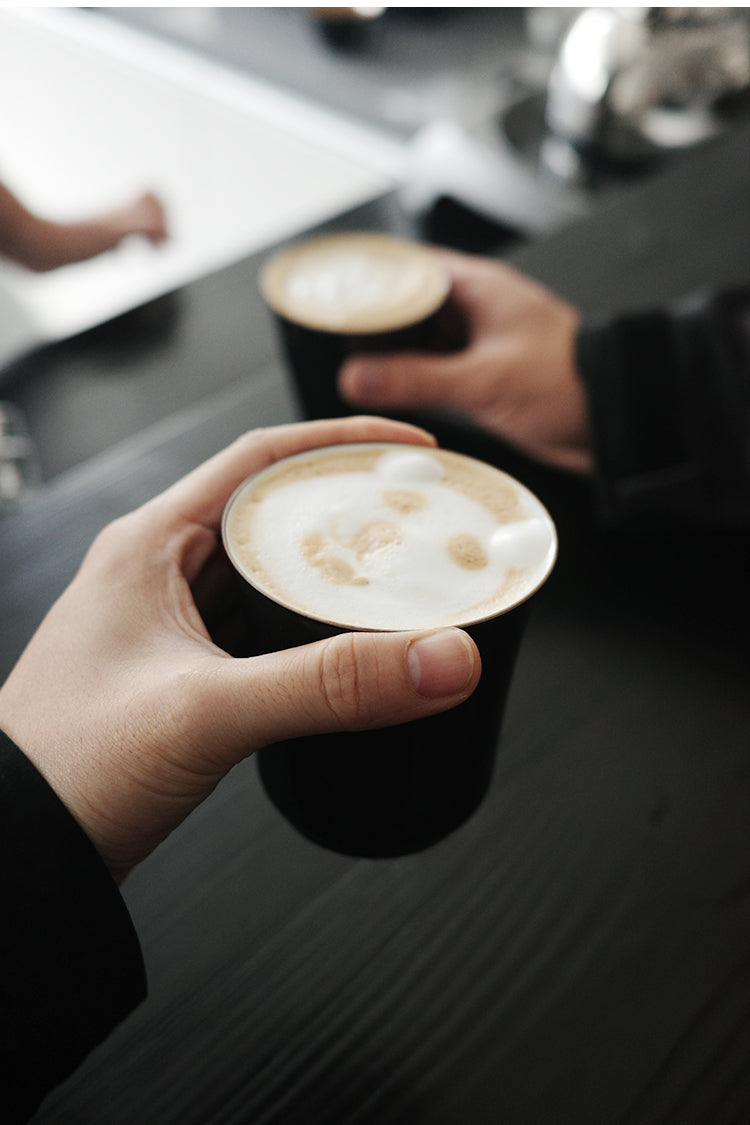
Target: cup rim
464, 622
276, 260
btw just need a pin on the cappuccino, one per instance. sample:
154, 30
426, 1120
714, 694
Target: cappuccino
387, 537
390, 537
355, 283
342, 294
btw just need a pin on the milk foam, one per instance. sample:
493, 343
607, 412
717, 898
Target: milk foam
344, 282
390, 537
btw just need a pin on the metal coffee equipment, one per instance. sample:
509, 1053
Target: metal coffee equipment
629, 83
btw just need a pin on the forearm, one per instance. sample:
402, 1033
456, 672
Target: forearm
19, 234
41, 244
36, 243
48, 246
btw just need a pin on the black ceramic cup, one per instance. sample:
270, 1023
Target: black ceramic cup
400, 789
353, 293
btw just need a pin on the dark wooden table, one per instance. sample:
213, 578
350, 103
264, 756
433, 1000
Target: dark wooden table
579, 953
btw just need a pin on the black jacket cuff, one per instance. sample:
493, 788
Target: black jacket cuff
70, 963
668, 396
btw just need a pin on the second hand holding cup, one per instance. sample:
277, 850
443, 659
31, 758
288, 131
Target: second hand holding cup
345, 294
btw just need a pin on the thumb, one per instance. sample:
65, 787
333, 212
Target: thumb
405, 380
352, 681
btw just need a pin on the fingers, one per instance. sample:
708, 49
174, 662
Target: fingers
406, 380
149, 211
200, 497
449, 379
349, 682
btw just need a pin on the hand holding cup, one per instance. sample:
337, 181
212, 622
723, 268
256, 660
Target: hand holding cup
133, 713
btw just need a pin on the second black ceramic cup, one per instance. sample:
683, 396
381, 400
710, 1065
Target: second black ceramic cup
353, 293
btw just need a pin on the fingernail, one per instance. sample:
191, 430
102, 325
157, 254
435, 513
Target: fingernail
363, 381
441, 664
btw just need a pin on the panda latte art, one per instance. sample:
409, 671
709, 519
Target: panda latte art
389, 537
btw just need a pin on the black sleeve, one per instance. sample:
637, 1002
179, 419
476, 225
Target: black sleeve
70, 962
669, 401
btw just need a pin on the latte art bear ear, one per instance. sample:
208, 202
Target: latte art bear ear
390, 537
410, 468
520, 544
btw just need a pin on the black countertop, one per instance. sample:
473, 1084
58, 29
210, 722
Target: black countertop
579, 953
